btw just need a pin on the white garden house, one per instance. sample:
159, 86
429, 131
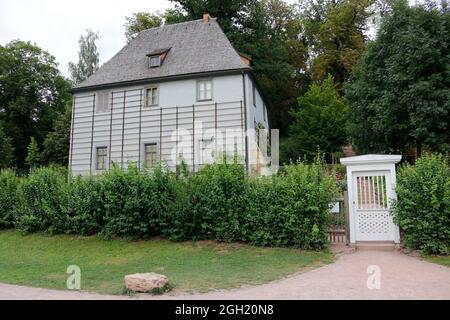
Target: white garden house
176, 93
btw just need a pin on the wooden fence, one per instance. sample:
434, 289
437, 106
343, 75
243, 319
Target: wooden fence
338, 231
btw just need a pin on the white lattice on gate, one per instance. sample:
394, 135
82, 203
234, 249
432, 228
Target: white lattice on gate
371, 187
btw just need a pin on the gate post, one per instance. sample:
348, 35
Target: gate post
346, 218
371, 187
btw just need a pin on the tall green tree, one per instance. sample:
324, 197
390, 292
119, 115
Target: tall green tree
399, 96
228, 13
57, 142
336, 35
272, 33
88, 57
141, 21
34, 157
32, 93
6, 149
319, 124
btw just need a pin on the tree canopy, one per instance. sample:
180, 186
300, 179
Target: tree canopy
34, 157
32, 93
57, 142
319, 124
336, 34
88, 57
6, 149
311, 59
141, 21
399, 96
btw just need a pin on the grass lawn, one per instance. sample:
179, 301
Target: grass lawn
42, 261
444, 260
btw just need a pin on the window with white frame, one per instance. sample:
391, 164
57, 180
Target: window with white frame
101, 158
254, 95
102, 101
265, 112
151, 96
150, 155
204, 90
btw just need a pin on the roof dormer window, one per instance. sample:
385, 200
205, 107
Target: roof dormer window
156, 57
154, 61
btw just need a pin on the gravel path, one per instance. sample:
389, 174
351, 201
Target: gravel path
401, 277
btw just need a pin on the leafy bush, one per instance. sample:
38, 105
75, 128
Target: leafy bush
8, 197
134, 201
42, 201
85, 209
423, 207
291, 209
218, 196
219, 202
208, 204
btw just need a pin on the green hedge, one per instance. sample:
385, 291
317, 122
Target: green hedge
219, 202
423, 207
42, 201
8, 197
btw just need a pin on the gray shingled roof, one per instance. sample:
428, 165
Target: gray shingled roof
195, 47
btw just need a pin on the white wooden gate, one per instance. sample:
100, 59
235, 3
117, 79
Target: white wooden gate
371, 203
371, 187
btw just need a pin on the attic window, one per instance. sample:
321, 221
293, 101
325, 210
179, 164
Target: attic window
156, 57
154, 61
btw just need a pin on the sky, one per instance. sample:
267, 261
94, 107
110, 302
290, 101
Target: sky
56, 25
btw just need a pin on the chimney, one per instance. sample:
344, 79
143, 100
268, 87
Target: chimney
206, 17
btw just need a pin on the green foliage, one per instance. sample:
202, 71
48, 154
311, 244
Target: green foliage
399, 97
423, 207
85, 209
6, 149
88, 57
34, 156
42, 201
291, 209
134, 200
8, 197
273, 35
32, 93
141, 21
225, 11
57, 142
335, 34
219, 202
319, 124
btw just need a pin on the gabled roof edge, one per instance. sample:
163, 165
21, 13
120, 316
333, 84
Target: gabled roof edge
160, 79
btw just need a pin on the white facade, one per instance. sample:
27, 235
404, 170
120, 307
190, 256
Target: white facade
119, 120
